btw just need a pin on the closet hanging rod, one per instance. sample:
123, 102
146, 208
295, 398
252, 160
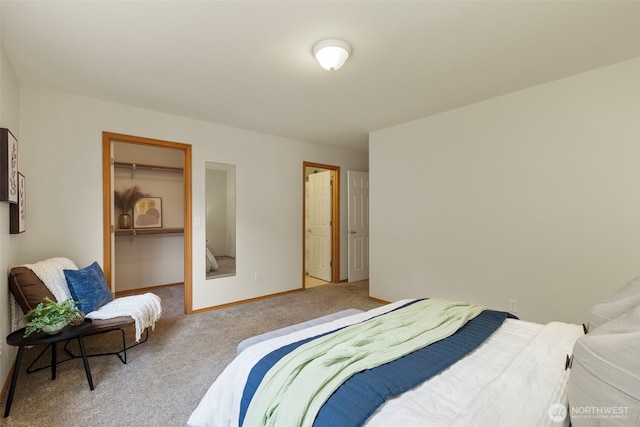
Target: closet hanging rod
138, 166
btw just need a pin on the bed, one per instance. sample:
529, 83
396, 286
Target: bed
489, 368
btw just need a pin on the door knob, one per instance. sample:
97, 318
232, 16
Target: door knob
352, 232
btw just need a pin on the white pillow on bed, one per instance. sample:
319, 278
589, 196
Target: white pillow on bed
603, 383
212, 263
622, 301
629, 322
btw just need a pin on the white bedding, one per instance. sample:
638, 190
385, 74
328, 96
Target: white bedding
511, 379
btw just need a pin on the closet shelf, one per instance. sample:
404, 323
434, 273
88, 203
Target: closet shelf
145, 231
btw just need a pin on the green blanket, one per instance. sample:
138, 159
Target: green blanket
312, 372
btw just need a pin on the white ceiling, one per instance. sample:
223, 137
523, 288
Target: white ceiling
249, 64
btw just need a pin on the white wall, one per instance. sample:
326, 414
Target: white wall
9, 243
62, 160
231, 212
533, 196
217, 210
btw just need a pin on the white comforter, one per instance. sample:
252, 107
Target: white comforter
514, 378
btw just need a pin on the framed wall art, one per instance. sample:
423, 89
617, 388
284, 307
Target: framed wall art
18, 211
147, 213
8, 167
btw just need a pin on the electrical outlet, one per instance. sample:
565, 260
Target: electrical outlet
513, 306
256, 276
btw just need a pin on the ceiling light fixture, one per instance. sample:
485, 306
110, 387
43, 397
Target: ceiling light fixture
331, 53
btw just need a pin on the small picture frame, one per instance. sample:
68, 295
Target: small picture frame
8, 167
147, 213
18, 212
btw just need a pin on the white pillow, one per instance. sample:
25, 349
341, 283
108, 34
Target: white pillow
627, 323
212, 263
630, 289
622, 301
603, 383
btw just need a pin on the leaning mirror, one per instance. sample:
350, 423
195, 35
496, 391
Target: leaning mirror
220, 189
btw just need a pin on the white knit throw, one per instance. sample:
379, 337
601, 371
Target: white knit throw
17, 321
51, 272
145, 310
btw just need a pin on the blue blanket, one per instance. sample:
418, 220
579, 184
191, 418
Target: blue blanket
364, 392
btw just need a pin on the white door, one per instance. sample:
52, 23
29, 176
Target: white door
319, 225
358, 225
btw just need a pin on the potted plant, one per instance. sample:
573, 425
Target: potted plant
125, 200
51, 316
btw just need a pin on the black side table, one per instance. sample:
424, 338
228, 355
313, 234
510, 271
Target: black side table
69, 332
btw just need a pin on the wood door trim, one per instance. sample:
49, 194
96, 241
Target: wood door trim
335, 219
107, 139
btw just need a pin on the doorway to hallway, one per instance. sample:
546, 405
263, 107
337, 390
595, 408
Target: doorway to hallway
320, 224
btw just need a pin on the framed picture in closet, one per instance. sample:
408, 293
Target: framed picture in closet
8, 167
147, 213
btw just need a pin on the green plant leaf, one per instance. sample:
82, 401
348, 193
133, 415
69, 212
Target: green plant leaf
49, 313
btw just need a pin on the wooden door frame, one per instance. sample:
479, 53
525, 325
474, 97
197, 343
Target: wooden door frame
107, 212
335, 219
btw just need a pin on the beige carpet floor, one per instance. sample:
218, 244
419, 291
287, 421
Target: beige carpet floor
166, 377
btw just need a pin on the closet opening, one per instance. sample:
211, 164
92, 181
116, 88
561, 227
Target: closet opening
147, 238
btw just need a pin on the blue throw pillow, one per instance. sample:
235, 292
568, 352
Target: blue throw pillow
89, 287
